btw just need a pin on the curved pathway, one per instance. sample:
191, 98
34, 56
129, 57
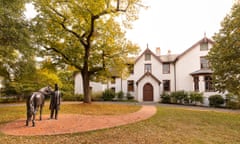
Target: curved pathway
72, 123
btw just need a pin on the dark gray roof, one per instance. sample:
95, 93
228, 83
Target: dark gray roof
202, 71
168, 58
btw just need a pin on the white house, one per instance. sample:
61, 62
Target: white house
94, 86
154, 73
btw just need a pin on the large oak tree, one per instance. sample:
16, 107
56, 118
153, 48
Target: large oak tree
224, 57
86, 34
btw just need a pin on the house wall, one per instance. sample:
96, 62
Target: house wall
139, 67
156, 89
170, 77
186, 64
78, 86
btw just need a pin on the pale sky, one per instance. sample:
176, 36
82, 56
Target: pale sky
174, 24
177, 24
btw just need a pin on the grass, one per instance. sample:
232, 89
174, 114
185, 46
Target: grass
169, 125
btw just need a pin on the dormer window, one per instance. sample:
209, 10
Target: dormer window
204, 46
147, 57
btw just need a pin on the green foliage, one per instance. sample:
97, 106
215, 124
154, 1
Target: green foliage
179, 96
216, 100
108, 95
86, 35
195, 97
224, 55
97, 96
67, 81
120, 95
129, 96
15, 42
165, 98
69, 97
9, 100
232, 101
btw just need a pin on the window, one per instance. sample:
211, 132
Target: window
196, 83
147, 56
208, 84
166, 85
130, 86
204, 63
166, 68
204, 46
148, 68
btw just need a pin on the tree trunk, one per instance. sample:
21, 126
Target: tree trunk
86, 77
86, 90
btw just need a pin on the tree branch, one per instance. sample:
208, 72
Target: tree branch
81, 38
65, 57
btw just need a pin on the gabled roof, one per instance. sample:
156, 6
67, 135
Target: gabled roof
148, 74
205, 39
147, 51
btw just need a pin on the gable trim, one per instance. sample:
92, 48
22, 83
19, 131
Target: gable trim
148, 51
148, 74
193, 46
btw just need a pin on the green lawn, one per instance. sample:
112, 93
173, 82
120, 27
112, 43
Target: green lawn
169, 125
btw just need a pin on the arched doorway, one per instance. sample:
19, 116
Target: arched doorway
148, 92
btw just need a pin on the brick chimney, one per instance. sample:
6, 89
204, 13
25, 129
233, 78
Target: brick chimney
158, 51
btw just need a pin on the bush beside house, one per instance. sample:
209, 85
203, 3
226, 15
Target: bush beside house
182, 97
216, 101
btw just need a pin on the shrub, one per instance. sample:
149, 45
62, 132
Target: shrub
108, 95
97, 96
196, 97
216, 100
8, 100
232, 101
129, 96
165, 98
179, 96
76, 97
233, 105
120, 95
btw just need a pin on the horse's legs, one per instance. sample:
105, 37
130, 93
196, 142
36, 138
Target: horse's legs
40, 112
33, 120
27, 122
29, 116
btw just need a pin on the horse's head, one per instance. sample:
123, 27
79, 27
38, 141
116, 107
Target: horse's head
46, 90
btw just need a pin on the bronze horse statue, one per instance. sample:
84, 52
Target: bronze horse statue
35, 102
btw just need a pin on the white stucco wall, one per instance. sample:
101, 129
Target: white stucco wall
78, 86
186, 64
156, 89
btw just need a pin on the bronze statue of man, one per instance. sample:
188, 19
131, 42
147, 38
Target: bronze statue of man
55, 102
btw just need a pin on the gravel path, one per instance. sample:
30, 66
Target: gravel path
72, 123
